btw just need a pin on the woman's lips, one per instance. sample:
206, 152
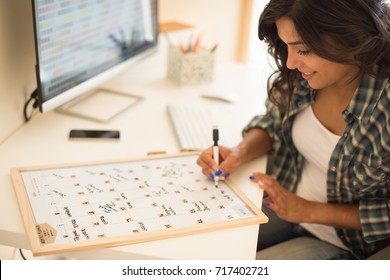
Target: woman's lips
307, 75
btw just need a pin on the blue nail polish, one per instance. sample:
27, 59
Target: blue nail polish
227, 175
251, 177
267, 203
211, 175
219, 172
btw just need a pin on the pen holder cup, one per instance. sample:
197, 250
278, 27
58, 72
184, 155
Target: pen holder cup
190, 68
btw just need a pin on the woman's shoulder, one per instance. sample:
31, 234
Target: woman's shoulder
377, 80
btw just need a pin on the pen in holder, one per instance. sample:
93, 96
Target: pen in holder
191, 68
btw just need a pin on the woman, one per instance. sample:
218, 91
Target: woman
326, 130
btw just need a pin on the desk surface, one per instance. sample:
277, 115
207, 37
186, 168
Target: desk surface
144, 128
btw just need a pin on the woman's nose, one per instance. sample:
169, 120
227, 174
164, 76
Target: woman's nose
293, 62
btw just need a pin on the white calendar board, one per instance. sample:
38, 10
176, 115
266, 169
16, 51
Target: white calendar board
84, 206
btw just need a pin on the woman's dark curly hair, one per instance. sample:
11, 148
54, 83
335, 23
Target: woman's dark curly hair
354, 32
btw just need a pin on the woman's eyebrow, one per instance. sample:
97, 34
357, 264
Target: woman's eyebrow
295, 43
298, 42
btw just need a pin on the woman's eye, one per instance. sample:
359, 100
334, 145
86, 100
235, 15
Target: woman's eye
304, 52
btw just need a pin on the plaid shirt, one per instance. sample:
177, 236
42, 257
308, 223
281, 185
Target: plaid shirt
359, 167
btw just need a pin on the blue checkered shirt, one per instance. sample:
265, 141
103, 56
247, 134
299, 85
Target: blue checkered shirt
359, 167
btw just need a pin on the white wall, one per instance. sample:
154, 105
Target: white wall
17, 60
257, 52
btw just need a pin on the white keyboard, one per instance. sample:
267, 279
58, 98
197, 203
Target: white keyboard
193, 126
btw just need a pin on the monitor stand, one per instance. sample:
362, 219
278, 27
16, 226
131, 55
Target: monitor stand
99, 105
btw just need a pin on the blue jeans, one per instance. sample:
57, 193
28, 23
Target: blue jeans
281, 240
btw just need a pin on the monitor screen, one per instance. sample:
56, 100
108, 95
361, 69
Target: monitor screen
82, 43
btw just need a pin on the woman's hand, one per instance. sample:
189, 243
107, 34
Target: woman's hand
229, 159
285, 204
255, 143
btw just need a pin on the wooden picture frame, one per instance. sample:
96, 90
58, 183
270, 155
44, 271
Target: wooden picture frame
71, 207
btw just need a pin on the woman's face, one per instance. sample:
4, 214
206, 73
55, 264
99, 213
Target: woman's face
319, 72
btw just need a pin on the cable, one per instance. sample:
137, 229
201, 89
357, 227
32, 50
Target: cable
33, 97
21, 254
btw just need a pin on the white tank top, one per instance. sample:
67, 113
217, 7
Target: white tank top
316, 143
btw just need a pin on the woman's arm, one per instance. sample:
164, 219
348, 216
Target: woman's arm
256, 143
336, 215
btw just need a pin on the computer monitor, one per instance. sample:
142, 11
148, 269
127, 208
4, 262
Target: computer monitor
82, 43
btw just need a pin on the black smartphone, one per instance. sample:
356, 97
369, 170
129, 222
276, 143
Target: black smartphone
94, 134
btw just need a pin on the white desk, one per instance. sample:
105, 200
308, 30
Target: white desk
144, 128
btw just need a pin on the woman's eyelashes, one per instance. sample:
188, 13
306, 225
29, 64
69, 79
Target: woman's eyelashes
304, 52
